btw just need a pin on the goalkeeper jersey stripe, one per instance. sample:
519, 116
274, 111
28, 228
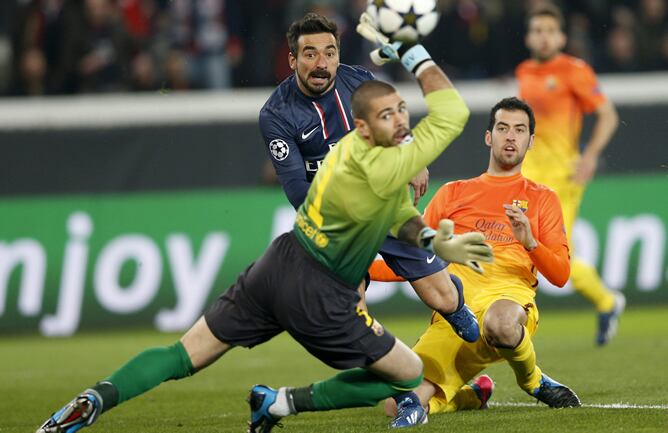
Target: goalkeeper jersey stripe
360, 193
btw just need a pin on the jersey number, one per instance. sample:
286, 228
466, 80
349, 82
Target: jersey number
314, 208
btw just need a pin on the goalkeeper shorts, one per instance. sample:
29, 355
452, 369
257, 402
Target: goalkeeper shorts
288, 290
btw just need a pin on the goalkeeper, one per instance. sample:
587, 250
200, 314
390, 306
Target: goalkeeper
306, 282
309, 113
522, 221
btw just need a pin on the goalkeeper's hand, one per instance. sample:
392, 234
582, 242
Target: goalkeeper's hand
467, 249
387, 51
414, 57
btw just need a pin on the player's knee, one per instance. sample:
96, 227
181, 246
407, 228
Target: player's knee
503, 324
400, 365
500, 333
408, 384
413, 369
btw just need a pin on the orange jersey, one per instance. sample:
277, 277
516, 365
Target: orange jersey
560, 92
477, 205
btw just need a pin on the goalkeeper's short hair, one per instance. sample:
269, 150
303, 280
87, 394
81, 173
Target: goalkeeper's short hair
367, 91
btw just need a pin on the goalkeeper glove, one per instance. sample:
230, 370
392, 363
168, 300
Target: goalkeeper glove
411, 56
387, 51
467, 249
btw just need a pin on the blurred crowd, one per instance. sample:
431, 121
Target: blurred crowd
82, 46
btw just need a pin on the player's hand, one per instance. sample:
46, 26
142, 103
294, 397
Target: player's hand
411, 56
519, 223
387, 51
585, 168
467, 249
420, 183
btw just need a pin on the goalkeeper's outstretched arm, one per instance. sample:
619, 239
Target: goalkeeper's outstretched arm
432, 78
414, 57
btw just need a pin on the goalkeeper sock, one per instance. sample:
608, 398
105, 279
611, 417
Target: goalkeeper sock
108, 394
350, 388
144, 372
284, 404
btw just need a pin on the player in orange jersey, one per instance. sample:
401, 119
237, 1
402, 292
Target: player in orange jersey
522, 221
561, 89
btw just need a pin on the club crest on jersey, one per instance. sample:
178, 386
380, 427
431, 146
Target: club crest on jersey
279, 149
522, 204
551, 82
370, 322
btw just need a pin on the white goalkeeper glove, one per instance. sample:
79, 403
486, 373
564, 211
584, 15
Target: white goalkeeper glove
387, 51
411, 56
466, 249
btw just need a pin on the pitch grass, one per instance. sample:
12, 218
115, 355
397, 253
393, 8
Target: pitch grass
37, 375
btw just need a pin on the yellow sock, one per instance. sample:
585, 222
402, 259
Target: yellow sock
465, 399
439, 404
587, 282
522, 359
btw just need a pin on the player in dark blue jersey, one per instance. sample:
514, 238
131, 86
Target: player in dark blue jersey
300, 128
306, 116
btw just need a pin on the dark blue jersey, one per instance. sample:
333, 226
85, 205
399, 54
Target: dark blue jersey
299, 130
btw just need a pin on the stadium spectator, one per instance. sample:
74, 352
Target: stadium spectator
621, 54
263, 34
33, 72
96, 49
147, 26
206, 34
38, 39
652, 24
664, 50
200, 44
580, 43
460, 39
7, 11
506, 25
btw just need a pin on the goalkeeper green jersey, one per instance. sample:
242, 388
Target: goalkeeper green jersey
360, 193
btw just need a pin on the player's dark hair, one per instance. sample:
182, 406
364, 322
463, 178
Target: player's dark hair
368, 90
512, 104
546, 9
310, 24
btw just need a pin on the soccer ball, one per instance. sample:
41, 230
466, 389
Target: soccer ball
403, 20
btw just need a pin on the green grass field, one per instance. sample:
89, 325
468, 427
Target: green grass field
37, 375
